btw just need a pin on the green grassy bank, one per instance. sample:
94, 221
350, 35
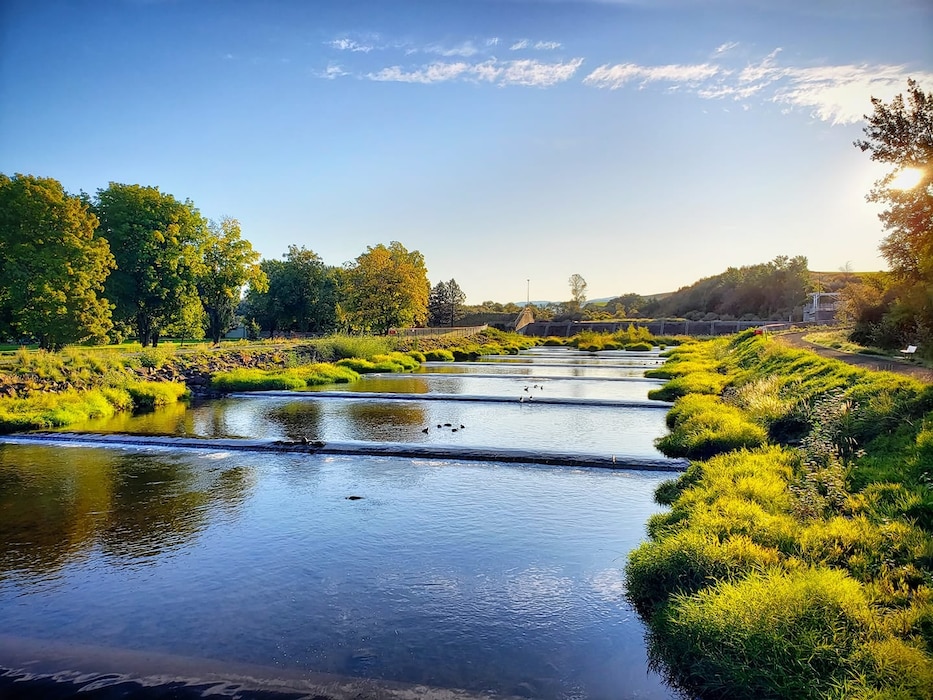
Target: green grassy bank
796, 560
40, 389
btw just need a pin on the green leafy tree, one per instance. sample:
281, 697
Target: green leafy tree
900, 134
157, 242
228, 264
387, 287
445, 304
52, 267
300, 294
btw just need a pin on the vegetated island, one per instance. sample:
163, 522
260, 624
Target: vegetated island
796, 560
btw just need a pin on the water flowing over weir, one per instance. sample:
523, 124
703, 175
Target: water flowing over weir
435, 535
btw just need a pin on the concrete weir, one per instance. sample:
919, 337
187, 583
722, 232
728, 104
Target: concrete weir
382, 449
32, 668
389, 396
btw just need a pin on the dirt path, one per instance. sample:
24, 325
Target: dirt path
884, 364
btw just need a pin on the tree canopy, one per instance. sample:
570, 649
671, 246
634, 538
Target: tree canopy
228, 264
900, 134
156, 241
445, 304
387, 287
301, 294
52, 267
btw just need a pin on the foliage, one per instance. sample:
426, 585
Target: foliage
693, 383
301, 294
702, 426
338, 347
577, 293
393, 362
52, 267
387, 287
772, 290
228, 264
795, 572
148, 395
316, 374
438, 355
445, 304
900, 134
156, 241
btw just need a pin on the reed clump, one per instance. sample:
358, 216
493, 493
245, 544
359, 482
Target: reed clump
795, 570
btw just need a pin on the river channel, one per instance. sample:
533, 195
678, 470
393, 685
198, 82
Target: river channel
334, 574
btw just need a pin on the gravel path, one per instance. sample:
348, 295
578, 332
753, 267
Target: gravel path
884, 364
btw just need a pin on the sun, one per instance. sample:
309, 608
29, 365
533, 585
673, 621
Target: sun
907, 179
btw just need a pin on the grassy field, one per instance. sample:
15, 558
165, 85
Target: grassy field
796, 560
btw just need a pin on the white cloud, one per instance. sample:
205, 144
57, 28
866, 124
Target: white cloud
350, 45
492, 41
527, 72
725, 48
547, 45
614, 77
538, 74
842, 94
332, 72
519, 45
464, 50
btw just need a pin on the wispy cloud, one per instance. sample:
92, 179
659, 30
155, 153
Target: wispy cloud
615, 77
345, 44
838, 94
492, 41
519, 45
725, 48
526, 72
464, 50
548, 45
332, 72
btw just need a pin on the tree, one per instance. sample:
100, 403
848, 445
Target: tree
301, 294
577, 292
228, 264
900, 134
52, 267
156, 241
387, 287
445, 304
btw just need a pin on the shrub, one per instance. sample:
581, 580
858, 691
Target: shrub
638, 347
693, 383
704, 429
416, 355
338, 347
743, 637
148, 395
439, 355
686, 562
52, 410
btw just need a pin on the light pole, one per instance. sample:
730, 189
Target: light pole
527, 292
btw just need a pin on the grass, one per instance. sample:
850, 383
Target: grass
802, 570
316, 374
838, 339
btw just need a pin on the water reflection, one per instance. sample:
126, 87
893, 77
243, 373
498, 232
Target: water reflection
59, 505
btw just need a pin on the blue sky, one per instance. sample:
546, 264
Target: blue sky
642, 144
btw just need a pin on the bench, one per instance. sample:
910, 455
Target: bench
910, 351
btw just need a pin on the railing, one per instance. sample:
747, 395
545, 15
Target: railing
437, 332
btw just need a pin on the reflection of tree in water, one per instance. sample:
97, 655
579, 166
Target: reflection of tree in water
298, 419
172, 419
398, 385
388, 420
57, 504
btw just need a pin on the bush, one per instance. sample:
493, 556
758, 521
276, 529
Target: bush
694, 383
338, 347
703, 429
751, 632
638, 347
147, 395
439, 355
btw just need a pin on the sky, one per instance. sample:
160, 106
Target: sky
642, 144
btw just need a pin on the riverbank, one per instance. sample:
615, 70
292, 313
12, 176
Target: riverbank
40, 389
796, 560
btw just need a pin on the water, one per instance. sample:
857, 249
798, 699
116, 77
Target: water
488, 577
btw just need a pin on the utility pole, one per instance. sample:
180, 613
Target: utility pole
527, 292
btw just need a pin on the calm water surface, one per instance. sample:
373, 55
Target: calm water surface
484, 577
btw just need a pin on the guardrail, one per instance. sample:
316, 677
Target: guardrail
437, 332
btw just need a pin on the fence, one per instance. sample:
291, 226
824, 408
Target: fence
437, 332
565, 329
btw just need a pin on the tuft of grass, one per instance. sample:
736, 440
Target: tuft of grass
438, 355
703, 426
148, 395
316, 374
